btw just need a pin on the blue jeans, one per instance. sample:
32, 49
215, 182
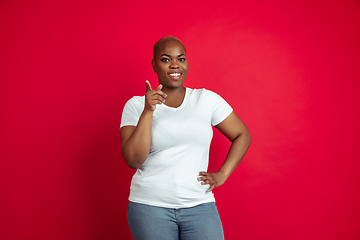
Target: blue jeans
157, 223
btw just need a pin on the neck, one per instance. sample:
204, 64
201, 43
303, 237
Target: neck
175, 96
173, 91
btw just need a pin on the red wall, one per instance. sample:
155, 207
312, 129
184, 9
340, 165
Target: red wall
290, 69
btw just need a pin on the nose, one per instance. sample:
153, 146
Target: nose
174, 64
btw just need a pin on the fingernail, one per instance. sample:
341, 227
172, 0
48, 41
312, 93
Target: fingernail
202, 183
164, 100
165, 95
199, 179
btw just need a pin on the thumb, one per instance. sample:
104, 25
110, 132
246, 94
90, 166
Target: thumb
148, 86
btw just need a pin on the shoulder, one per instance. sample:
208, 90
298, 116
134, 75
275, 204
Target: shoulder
132, 111
204, 93
134, 104
201, 91
135, 101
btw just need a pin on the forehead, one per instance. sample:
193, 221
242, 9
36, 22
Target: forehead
171, 47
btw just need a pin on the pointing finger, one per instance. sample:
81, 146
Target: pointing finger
148, 86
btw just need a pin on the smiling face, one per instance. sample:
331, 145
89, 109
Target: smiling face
171, 65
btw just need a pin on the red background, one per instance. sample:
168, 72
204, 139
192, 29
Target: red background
290, 69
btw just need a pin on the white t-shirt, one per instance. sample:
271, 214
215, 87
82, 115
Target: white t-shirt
180, 144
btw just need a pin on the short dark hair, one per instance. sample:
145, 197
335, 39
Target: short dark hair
163, 40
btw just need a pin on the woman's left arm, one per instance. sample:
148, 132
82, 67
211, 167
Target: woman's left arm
235, 130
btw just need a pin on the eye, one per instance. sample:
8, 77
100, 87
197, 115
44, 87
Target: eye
182, 59
165, 60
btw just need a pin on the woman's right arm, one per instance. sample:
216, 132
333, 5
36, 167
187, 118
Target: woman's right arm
136, 140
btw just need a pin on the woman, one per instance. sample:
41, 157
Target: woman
166, 136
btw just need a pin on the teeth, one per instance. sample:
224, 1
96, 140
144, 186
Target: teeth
175, 74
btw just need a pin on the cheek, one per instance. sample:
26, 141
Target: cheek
185, 66
163, 72
159, 69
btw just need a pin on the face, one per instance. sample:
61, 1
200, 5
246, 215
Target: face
171, 65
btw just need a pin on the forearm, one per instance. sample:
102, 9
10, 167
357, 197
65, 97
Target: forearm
136, 149
236, 153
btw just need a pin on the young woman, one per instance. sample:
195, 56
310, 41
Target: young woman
166, 136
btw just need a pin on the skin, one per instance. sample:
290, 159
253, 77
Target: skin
136, 140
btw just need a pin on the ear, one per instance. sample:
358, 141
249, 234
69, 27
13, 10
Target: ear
153, 65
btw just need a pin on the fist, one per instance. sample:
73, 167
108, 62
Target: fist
153, 97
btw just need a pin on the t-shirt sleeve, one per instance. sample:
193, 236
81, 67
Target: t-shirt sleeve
220, 108
131, 112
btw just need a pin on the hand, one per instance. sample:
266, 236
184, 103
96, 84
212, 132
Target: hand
213, 179
153, 97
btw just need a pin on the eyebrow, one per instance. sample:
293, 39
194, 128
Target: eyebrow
167, 55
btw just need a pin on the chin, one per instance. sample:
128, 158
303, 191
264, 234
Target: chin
172, 84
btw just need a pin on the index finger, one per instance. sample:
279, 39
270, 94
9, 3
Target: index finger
202, 173
148, 86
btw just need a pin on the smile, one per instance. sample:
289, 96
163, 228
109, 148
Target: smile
175, 74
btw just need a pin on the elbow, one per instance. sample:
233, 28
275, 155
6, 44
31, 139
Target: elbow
248, 138
243, 135
133, 165
134, 157
244, 138
133, 161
